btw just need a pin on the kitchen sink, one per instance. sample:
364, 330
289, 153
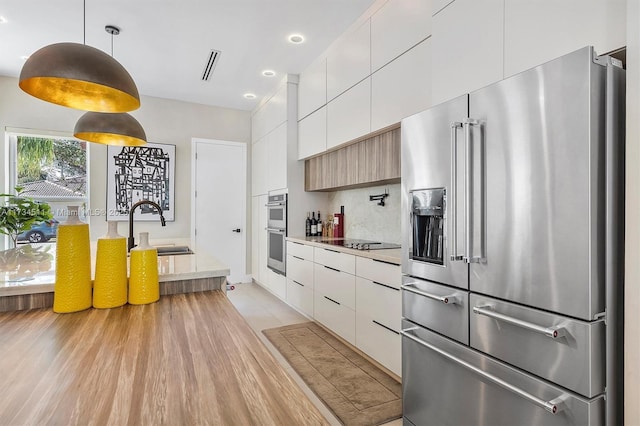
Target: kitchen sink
173, 250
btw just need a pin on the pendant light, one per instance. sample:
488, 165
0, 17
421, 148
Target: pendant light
79, 76
119, 129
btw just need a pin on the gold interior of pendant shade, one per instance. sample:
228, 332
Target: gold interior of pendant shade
110, 129
79, 76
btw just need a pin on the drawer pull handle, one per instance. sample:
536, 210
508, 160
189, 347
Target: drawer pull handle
384, 261
553, 406
332, 251
328, 298
300, 244
333, 269
297, 257
552, 332
451, 299
385, 327
302, 285
385, 285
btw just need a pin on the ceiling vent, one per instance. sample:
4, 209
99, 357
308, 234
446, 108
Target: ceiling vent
212, 61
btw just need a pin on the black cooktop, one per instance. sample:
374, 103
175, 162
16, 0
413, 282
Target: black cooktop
359, 244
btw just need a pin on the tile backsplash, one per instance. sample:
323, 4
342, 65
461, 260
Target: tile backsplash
365, 219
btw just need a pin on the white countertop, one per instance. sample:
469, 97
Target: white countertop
388, 255
31, 268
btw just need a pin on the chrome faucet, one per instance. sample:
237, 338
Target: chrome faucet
131, 241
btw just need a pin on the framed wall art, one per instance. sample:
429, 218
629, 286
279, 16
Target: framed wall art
136, 173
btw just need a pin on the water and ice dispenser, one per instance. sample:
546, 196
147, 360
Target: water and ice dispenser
427, 219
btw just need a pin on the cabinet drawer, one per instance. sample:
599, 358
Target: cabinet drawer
338, 318
300, 250
334, 259
445, 382
448, 316
300, 296
379, 302
300, 270
337, 285
379, 342
277, 284
516, 334
382, 272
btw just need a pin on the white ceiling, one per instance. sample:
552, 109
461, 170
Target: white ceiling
164, 44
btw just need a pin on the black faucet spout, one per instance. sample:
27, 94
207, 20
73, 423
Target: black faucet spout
131, 241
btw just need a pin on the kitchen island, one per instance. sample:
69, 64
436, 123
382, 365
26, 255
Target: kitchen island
187, 359
27, 275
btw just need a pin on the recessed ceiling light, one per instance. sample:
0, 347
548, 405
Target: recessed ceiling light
249, 96
296, 38
268, 73
3, 20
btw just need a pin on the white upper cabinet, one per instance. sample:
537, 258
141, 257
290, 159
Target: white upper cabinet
312, 134
396, 27
537, 31
312, 88
349, 60
467, 45
349, 115
270, 115
438, 5
259, 167
277, 158
402, 87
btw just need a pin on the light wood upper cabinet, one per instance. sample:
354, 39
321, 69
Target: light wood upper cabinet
396, 27
538, 31
467, 45
349, 115
259, 167
312, 134
312, 88
402, 87
277, 158
349, 61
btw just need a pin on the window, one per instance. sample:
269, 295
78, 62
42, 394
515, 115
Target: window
52, 169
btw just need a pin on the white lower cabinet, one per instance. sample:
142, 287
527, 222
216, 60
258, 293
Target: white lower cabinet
336, 285
379, 342
300, 296
277, 284
337, 317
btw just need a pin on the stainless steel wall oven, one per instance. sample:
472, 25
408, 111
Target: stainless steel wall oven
277, 232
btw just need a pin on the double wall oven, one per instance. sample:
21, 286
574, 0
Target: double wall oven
276, 232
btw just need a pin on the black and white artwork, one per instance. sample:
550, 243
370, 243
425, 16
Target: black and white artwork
136, 173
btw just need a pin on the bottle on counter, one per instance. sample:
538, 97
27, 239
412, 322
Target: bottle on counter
307, 225
319, 226
314, 225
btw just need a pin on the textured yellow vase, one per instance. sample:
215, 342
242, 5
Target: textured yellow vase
143, 275
110, 283
72, 289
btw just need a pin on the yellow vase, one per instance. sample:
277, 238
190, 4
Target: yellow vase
72, 289
143, 276
110, 283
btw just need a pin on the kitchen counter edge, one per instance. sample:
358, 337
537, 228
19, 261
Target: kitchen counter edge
387, 255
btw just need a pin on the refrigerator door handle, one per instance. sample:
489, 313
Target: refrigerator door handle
553, 406
468, 192
453, 208
552, 332
451, 299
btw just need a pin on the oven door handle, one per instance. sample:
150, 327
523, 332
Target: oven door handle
280, 231
282, 203
553, 406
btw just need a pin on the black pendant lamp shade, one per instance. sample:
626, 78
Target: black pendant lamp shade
110, 129
81, 77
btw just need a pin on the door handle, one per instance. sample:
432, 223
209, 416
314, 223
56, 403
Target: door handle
236, 230
553, 406
454, 256
552, 332
451, 299
468, 193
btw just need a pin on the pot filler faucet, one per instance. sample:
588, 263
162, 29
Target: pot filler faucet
131, 242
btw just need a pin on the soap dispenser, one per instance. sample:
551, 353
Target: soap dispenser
110, 284
143, 279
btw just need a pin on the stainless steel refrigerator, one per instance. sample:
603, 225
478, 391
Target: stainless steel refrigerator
512, 253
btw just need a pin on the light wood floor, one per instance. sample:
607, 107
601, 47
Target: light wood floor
188, 359
263, 310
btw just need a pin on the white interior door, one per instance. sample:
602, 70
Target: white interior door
219, 205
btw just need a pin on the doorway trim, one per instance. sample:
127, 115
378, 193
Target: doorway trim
245, 277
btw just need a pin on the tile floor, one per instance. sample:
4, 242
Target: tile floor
263, 310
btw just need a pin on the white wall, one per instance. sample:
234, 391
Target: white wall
365, 219
164, 121
632, 221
